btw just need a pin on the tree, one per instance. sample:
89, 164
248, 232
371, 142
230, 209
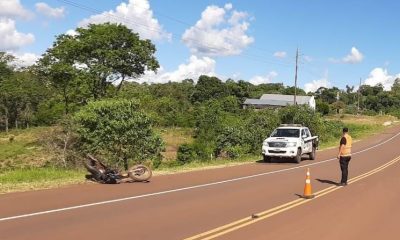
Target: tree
338, 106
240, 89
20, 96
118, 130
327, 95
322, 107
273, 88
396, 87
59, 66
112, 52
5, 72
95, 58
208, 88
290, 91
6, 69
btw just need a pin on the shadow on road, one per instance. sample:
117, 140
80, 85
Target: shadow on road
326, 181
281, 161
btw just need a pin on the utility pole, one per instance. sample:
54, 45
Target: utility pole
295, 77
358, 98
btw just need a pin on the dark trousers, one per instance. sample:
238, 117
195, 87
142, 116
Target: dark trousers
344, 166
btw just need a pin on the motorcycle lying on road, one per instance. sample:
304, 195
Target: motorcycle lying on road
100, 173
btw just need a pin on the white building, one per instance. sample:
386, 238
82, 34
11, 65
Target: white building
278, 100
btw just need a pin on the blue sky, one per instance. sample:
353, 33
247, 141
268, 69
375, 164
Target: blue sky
339, 41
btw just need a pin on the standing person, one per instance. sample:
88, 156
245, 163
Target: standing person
344, 155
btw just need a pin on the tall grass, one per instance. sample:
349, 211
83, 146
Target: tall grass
38, 178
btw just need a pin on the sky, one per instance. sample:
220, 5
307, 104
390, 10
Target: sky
340, 42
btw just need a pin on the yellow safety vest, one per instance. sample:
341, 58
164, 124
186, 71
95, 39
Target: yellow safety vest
347, 148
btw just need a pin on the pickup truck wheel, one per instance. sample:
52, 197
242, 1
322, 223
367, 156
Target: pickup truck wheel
298, 156
312, 154
266, 158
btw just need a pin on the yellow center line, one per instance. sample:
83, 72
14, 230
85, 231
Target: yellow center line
282, 208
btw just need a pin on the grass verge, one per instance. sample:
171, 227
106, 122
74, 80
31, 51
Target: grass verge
38, 178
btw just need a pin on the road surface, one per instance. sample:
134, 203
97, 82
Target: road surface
220, 203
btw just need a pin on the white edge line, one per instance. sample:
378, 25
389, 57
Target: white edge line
185, 188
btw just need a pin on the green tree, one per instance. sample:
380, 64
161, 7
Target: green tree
290, 91
322, 107
240, 89
63, 76
327, 95
118, 130
5, 72
97, 57
208, 88
266, 88
396, 87
6, 69
338, 106
112, 52
20, 94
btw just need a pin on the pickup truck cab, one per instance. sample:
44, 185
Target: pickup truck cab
290, 141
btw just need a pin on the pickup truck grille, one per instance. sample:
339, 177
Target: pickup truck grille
273, 151
277, 144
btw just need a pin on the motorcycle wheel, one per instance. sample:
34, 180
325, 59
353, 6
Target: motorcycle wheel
140, 173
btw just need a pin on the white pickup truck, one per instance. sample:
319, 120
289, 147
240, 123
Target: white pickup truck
290, 141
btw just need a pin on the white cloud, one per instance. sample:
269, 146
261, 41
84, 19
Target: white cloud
355, 56
48, 11
136, 15
256, 80
280, 54
228, 6
24, 59
10, 38
13, 8
71, 32
308, 58
380, 75
315, 84
219, 32
191, 70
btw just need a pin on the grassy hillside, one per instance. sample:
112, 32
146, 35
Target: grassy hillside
23, 148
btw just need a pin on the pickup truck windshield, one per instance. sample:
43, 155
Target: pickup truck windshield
286, 132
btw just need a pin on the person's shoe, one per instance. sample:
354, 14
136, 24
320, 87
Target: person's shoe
342, 184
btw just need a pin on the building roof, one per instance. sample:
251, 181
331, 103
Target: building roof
250, 101
286, 98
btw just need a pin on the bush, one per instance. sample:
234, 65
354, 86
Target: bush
237, 151
229, 137
118, 130
259, 125
330, 130
322, 107
186, 153
302, 115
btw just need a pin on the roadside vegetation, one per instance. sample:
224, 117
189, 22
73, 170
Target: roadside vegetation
29, 162
76, 100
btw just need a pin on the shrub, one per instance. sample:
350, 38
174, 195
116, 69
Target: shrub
186, 153
118, 130
302, 115
322, 107
237, 151
259, 125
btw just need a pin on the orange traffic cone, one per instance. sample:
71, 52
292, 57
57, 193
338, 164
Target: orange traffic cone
307, 188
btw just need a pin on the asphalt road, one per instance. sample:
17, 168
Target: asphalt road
219, 203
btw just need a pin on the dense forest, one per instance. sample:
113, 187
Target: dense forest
86, 83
